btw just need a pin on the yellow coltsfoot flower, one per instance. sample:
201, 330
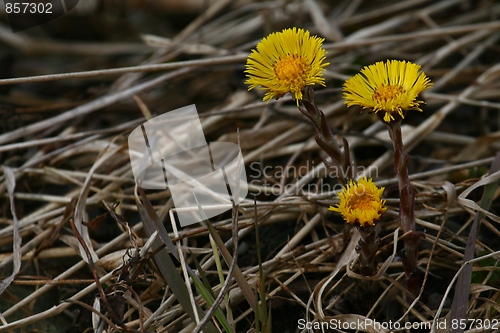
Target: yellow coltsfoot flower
390, 87
360, 202
286, 61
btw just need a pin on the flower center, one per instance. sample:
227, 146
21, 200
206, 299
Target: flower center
387, 92
362, 202
290, 68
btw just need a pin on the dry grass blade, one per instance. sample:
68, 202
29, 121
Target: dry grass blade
116, 320
460, 300
80, 213
326, 28
153, 222
348, 257
468, 203
125, 70
163, 260
88, 108
16, 258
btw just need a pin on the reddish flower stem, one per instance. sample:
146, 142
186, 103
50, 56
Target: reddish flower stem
406, 213
406, 207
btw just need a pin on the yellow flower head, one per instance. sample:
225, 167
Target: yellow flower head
389, 87
286, 61
360, 202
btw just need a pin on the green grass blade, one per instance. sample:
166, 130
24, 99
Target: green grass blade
207, 294
238, 276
